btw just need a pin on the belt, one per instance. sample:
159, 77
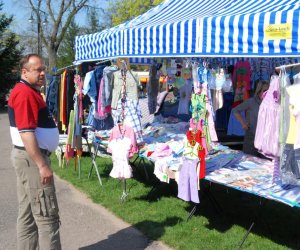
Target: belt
43, 151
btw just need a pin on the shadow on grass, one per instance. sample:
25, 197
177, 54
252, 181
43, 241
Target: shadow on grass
129, 238
225, 207
274, 221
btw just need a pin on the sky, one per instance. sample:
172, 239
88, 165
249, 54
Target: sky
22, 13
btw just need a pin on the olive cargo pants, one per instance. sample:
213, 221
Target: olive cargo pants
38, 220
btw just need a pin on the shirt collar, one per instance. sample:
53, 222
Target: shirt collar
28, 84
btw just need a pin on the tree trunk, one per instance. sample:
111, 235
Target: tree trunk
52, 54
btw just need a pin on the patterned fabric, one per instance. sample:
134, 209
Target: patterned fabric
132, 116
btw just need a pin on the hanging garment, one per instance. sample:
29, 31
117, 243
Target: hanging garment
102, 110
152, 88
202, 110
87, 82
193, 137
185, 93
95, 84
69, 149
294, 100
79, 97
63, 101
120, 148
51, 97
267, 129
121, 132
106, 95
132, 116
98, 123
188, 181
70, 93
284, 107
290, 158
131, 87
241, 81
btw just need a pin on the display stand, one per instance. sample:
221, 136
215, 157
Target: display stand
93, 153
123, 100
125, 193
141, 160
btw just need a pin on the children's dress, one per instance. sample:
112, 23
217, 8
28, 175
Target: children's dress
122, 145
268, 121
120, 150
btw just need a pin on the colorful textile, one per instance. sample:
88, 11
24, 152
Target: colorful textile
132, 116
120, 149
188, 181
268, 122
241, 81
121, 131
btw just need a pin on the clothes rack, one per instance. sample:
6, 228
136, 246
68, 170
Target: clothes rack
67, 67
103, 61
287, 66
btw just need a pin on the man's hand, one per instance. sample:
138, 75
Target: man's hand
34, 152
46, 174
245, 126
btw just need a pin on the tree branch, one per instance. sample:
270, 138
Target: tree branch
50, 10
73, 12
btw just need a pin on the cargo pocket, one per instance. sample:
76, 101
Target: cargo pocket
46, 203
51, 201
35, 201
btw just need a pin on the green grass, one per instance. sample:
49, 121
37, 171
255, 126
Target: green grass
161, 216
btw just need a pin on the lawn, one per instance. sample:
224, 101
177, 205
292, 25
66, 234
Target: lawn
153, 208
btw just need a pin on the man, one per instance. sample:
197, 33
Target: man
34, 135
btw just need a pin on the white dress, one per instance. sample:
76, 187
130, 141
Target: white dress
120, 150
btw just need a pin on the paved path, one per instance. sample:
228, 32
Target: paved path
85, 225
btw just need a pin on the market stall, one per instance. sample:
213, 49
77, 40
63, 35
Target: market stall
184, 40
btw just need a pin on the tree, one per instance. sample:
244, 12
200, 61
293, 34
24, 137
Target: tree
10, 54
122, 11
60, 13
66, 51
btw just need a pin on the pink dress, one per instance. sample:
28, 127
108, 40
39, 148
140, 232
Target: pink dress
268, 121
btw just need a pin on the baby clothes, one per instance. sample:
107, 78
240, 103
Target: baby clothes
188, 181
119, 148
267, 129
121, 132
197, 140
293, 92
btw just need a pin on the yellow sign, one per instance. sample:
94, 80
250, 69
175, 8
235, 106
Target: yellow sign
278, 31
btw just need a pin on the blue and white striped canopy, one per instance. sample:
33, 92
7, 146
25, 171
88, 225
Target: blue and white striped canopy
208, 28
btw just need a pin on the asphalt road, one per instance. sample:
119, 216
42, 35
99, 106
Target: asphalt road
85, 225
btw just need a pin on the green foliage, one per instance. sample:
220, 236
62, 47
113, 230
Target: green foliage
153, 208
93, 21
66, 51
10, 54
122, 11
